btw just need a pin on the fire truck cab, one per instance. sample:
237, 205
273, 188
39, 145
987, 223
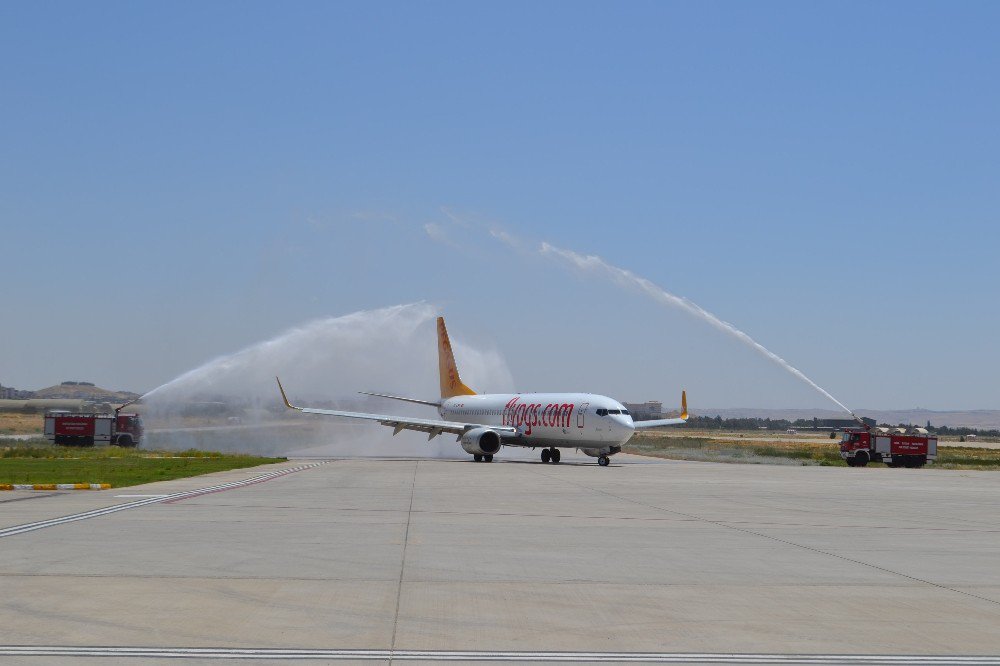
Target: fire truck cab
896, 447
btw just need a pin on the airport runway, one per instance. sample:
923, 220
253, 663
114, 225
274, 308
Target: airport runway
429, 560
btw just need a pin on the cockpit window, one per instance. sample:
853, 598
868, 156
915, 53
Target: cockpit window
614, 411
625, 412
602, 412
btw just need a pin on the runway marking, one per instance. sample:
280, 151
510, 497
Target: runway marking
173, 497
487, 655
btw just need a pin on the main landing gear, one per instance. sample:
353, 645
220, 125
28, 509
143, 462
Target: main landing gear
479, 458
550, 455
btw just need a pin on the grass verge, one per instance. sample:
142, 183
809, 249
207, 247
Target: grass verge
28, 463
789, 453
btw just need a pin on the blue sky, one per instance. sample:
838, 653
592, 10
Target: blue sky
179, 180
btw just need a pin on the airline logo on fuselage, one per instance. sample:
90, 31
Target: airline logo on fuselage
531, 415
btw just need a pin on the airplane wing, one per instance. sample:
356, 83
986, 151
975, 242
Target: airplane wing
396, 397
432, 427
641, 425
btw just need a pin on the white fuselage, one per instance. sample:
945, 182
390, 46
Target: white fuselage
593, 423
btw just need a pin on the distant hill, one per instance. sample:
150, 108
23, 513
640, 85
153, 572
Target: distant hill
84, 391
983, 419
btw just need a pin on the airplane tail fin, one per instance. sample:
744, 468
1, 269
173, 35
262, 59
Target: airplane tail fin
451, 383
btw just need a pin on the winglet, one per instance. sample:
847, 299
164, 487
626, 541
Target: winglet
684, 405
283, 396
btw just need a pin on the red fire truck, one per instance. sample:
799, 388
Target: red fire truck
88, 429
896, 447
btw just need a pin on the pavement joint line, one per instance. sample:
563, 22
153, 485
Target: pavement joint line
745, 530
574, 516
402, 563
439, 582
27, 497
173, 497
489, 655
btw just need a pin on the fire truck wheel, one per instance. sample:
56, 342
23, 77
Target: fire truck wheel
861, 459
125, 441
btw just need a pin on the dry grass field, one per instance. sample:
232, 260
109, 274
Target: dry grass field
18, 423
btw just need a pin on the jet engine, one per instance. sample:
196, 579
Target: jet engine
481, 442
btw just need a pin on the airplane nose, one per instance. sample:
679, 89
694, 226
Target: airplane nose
623, 425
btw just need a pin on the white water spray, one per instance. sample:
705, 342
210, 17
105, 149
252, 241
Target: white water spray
625, 278
232, 402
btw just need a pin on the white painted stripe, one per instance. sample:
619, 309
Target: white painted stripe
455, 655
140, 495
31, 527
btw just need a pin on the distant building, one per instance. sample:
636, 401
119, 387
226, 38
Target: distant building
9, 393
644, 411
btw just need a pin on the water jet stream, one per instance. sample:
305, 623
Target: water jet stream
626, 278
231, 403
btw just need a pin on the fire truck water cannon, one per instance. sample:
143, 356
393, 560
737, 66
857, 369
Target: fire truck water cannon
857, 418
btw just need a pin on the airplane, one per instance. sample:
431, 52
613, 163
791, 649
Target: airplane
594, 424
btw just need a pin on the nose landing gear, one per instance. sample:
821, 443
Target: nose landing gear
604, 461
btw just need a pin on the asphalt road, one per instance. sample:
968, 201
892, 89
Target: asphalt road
398, 560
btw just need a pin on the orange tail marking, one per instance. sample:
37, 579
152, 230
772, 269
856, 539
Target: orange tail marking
451, 383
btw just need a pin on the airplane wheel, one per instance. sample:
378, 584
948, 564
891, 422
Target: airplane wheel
546, 455
604, 461
488, 458
477, 458
556, 456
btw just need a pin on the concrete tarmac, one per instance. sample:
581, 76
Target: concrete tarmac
669, 558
